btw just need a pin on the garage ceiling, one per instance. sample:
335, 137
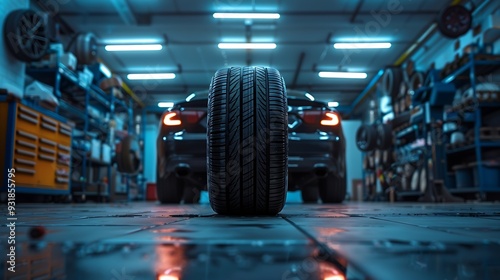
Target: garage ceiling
304, 35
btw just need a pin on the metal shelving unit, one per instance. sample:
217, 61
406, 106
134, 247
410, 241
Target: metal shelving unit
468, 75
74, 101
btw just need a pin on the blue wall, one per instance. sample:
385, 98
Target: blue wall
440, 49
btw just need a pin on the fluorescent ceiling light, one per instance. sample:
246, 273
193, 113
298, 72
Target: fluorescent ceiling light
333, 104
308, 95
191, 96
346, 75
151, 76
165, 104
144, 47
362, 45
247, 46
105, 70
247, 15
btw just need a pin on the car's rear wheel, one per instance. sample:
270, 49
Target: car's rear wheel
247, 141
169, 189
191, 194
332, 189
310, 194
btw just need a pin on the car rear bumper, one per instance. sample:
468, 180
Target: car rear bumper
184, 149
307, 151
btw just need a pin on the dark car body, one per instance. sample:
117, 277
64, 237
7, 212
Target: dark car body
316, 141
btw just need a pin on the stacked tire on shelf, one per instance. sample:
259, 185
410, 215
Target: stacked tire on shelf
247, 141
376, 141
401, 84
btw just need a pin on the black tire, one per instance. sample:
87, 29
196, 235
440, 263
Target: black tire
416, 80
454, 21
391, 81
247, 141
86, 48
191, 194
169, 189
26, 35
332, 189
366, 138
310, 194
384, 136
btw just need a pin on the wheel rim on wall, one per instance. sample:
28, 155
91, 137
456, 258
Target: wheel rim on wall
25, 32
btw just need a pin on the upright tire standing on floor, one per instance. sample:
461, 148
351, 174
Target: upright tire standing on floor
247, 141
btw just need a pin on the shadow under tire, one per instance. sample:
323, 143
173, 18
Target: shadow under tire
247, 141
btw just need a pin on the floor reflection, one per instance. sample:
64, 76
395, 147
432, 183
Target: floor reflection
175, 261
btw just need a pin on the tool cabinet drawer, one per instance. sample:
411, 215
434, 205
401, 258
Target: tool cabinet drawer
27, 119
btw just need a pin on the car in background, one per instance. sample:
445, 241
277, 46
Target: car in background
316, 156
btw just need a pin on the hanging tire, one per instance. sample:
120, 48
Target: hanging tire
26, 35
86, 48
415, 180
366, 138
391, 80
454, 21
247, 141
128, 156
384, 136
416, 81
423, 179
310, 194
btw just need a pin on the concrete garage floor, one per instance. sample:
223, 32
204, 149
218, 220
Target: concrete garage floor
149, 241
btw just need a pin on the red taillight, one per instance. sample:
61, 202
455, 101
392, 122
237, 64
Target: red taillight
330, 119
176, 117
320, 117
171, 119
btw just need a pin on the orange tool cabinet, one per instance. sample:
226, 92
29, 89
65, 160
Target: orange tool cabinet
38, 146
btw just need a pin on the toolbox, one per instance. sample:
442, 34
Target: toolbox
37, 146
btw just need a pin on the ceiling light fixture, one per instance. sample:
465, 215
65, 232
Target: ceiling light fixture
362, 45
124, 48
268, 46
247, 15
342, 75
310, 96
165, 104
333, 104
191, 96
105, 70
151, 76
